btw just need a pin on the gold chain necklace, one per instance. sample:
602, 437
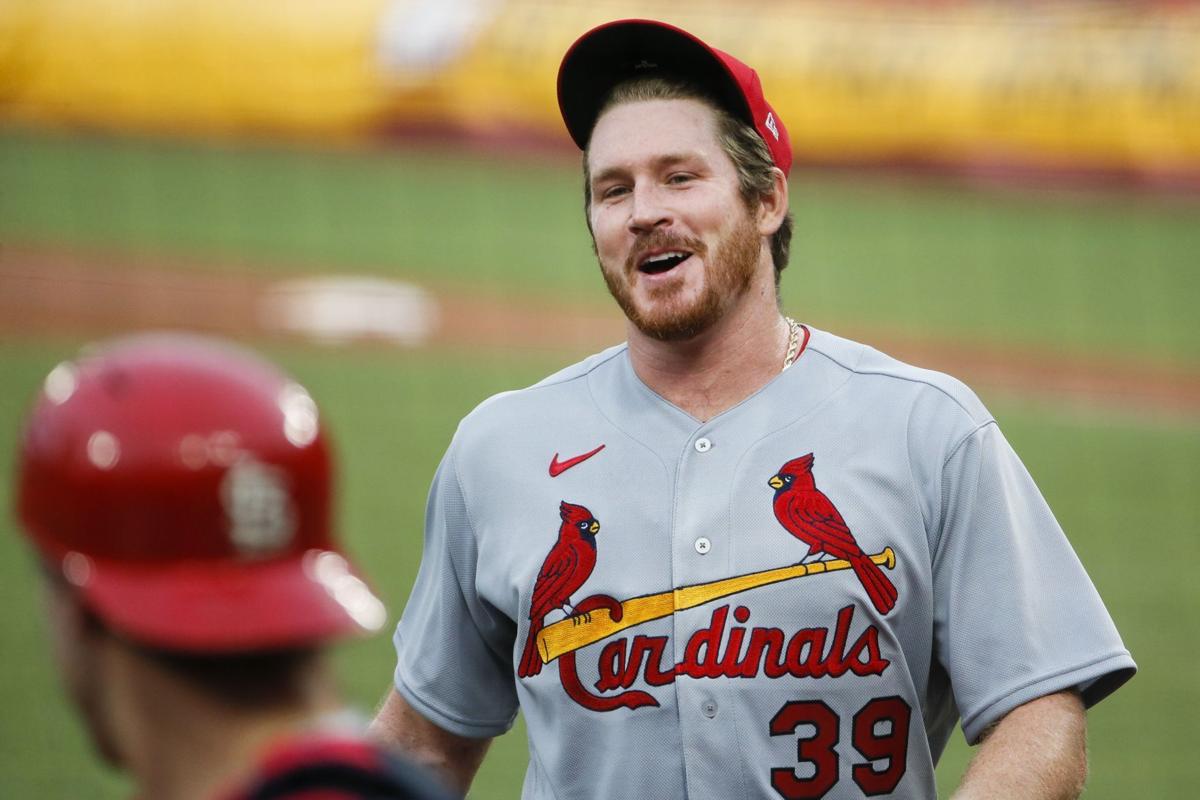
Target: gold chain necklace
793, 342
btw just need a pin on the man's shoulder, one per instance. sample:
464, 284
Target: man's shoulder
898, 379
580, 369
560, 392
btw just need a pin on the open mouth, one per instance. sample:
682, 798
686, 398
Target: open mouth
658, 263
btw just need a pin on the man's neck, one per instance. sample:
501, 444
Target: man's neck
720, 367
180, 745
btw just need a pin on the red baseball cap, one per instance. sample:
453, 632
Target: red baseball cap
183, 487
616, 51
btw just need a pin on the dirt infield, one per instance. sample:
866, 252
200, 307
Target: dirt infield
46, 292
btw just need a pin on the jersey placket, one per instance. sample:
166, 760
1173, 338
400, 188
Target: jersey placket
700, 554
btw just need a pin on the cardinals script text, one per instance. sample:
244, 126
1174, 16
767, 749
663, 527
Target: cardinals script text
712, 653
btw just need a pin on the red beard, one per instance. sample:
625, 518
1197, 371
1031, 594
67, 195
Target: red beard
671, 318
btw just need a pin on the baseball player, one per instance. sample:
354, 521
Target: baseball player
736, 556
178, 494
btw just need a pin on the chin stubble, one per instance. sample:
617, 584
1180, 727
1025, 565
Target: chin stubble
671, 319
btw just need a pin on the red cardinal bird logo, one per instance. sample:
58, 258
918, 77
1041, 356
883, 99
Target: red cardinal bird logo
812, 518
565, 569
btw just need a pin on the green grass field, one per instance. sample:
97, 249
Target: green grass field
1077, 274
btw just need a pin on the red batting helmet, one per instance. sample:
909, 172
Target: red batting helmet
183, 487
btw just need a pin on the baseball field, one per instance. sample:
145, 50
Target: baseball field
1072, 313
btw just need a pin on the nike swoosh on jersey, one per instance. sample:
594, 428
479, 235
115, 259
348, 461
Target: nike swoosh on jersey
559, 467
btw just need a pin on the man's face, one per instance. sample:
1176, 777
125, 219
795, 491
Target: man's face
676, 242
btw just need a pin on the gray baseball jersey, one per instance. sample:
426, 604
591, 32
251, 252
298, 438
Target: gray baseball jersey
797, 598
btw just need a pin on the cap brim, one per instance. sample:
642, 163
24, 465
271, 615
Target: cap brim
205, 607
617, 51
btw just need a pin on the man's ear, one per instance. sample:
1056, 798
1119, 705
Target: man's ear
773, 207
72, 625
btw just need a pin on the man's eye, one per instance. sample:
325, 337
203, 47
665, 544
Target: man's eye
680, 178
613, 191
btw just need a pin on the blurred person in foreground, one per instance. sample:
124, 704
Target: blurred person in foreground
178, 493
736, 556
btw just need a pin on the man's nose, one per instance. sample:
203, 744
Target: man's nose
648, 210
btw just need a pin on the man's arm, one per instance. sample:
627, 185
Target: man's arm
1037, 751
455, 758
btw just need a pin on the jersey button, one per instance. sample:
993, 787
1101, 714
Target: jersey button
703, 445
703, 545
708, 708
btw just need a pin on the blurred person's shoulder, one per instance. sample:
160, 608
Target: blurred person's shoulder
336, 767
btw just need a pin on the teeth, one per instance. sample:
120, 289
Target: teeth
666, 256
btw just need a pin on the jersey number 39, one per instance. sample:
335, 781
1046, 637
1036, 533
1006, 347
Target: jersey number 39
879, 731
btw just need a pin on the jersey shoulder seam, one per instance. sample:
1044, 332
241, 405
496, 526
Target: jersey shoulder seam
580, 369
965, 438
574, 372
895, 374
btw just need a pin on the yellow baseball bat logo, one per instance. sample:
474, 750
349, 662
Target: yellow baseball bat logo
572, 633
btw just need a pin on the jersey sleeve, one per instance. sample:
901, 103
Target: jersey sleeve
454, 661
1016, 616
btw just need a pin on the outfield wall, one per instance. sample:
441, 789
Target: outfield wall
1107, 87
300, 67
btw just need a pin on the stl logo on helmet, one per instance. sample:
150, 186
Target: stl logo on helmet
262, 519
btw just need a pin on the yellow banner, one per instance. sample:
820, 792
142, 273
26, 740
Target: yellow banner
1092, 85
207, 66
1069, 84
